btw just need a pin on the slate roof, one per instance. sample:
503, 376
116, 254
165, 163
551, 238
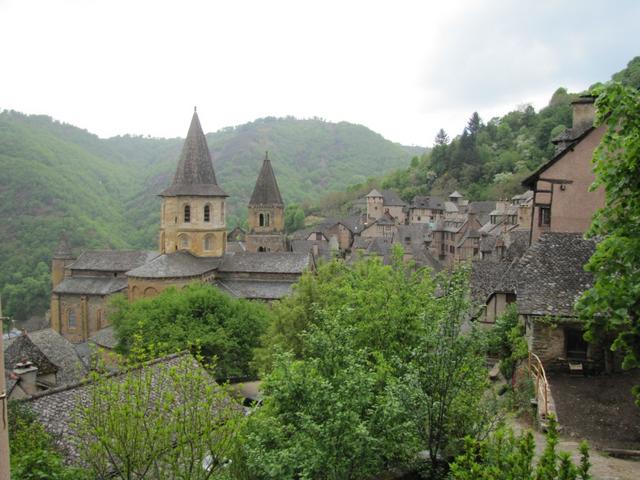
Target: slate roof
552, 276
56, 407
266, 191
257, 290
50, 352
392, 199
175, 265
374, 193
105, 337
482, 210
456, 194
433, 203
112, 260
81, 285
265, 262
486, 278
236, 247
385, 219
518, 244
194, 174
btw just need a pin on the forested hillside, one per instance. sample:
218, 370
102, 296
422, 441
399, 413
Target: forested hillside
488, 159
103, 192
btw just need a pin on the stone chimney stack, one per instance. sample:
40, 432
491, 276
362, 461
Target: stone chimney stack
584, 113
27, 372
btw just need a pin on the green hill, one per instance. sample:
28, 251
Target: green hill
103, 192
487, 160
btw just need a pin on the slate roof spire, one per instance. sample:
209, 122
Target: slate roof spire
194, 175
63, 251
266, 191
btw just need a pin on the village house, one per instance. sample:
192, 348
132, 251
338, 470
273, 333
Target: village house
562, 201
425, 209
39, 361
192, 247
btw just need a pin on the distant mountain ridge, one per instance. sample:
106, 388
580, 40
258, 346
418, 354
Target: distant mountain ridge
103, 192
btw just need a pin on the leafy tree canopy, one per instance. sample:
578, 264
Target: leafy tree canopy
198, 316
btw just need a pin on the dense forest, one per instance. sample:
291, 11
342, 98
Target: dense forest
103, 192
487, 160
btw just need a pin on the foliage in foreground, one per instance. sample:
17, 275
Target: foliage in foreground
368, 366
506, 341
157, 421
612, 306
200, 317
505, 456
33, 452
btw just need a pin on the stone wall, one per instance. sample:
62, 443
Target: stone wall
196, 234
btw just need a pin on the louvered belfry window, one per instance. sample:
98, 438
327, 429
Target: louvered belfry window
187, 214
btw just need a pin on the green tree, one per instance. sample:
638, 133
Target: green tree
293, 217
198, 316
444, 387
503, 455
326, 416
157, 421
385, 303
612, 306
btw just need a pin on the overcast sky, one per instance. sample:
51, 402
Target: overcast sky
403, 69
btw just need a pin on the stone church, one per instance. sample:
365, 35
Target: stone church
192, 247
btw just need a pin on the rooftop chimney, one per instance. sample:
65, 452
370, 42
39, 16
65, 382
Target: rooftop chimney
27, 372
584, 113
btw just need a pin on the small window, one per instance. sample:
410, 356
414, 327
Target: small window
545, 217
208, 242
207, 213
183, 240
419, 218
99, 319
475, 252
261, 219
452, 249
268, 219
261, 249
407, 239
187, 214
71, 318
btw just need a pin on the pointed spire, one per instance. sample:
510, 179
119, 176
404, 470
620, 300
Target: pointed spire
194, 175
63, 251
266, 191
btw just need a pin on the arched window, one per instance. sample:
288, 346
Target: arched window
150, 292
261, 217
187, 213
71, 318
208, 242
207, 213
183, 241
266, 223
261, 249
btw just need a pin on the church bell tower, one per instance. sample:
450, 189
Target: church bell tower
193, 207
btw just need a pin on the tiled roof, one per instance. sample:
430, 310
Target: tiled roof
433, 203
50, 352
112, 260
552, 276
56, 407
194, 175
392, 199
105, 337
486, 278
266, 191
265, 262
260, 290
235, 247
175, 265
91, 285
